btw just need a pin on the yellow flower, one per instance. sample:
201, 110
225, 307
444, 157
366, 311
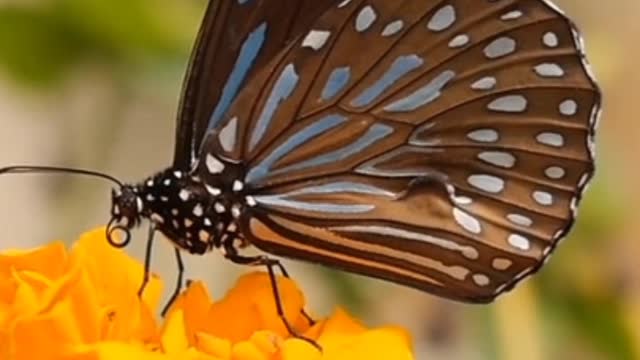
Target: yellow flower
55, 302
82, 304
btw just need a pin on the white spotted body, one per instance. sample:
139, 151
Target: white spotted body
194, 216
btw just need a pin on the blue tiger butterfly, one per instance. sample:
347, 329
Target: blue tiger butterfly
439, 144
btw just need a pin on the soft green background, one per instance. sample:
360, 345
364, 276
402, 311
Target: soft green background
95, 83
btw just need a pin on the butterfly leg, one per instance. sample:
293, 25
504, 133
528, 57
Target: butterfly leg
285, 273
270, 264
147, 259
178, 287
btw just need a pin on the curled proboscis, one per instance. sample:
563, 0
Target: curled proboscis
118, 241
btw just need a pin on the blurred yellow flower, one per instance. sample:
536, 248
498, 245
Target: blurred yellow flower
82, 304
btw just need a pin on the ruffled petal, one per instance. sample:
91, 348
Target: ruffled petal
83, 305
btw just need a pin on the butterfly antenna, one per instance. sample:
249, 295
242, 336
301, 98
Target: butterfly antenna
59, 170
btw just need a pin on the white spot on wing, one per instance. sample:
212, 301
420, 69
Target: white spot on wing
512, 15
463, 200
568, 107
501, 264
543, 198
442, 19
488, 183
500, 47
366, 18
467, 221
550, 39
551, 139
459, 41
393, 28
484, 135
486, 83
555, 172
498, 158
520, 220
551, 70
481, 279
184, 195
509, 103
214, 165
316, 39
519, 242
227, 135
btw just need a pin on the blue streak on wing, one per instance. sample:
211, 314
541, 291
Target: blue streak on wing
336, 82
400, 67
242, 2
325, 124
282, 89
248, 54
343, 187
422, 96
374, 134
274, 200
285, 200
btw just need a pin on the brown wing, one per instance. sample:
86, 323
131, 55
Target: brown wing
236, 39
444, 145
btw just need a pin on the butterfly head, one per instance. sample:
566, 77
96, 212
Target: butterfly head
126, 208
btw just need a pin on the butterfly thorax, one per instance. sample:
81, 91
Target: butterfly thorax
196, 216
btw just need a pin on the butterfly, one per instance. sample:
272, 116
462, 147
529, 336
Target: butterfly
439, 144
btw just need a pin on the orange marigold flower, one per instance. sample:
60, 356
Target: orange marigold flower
82, 304
55, 302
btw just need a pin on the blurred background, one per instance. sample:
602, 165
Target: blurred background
95, 84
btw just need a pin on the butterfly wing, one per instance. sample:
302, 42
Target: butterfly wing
444, 145
237, 37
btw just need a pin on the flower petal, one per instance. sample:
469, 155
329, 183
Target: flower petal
117, 278
49, 260
88, 308
116, 351
113, 270
267, 342
250, 306
174, 336
193, 302
296, 349
339, 329
378, 344
246, 350
214, 346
